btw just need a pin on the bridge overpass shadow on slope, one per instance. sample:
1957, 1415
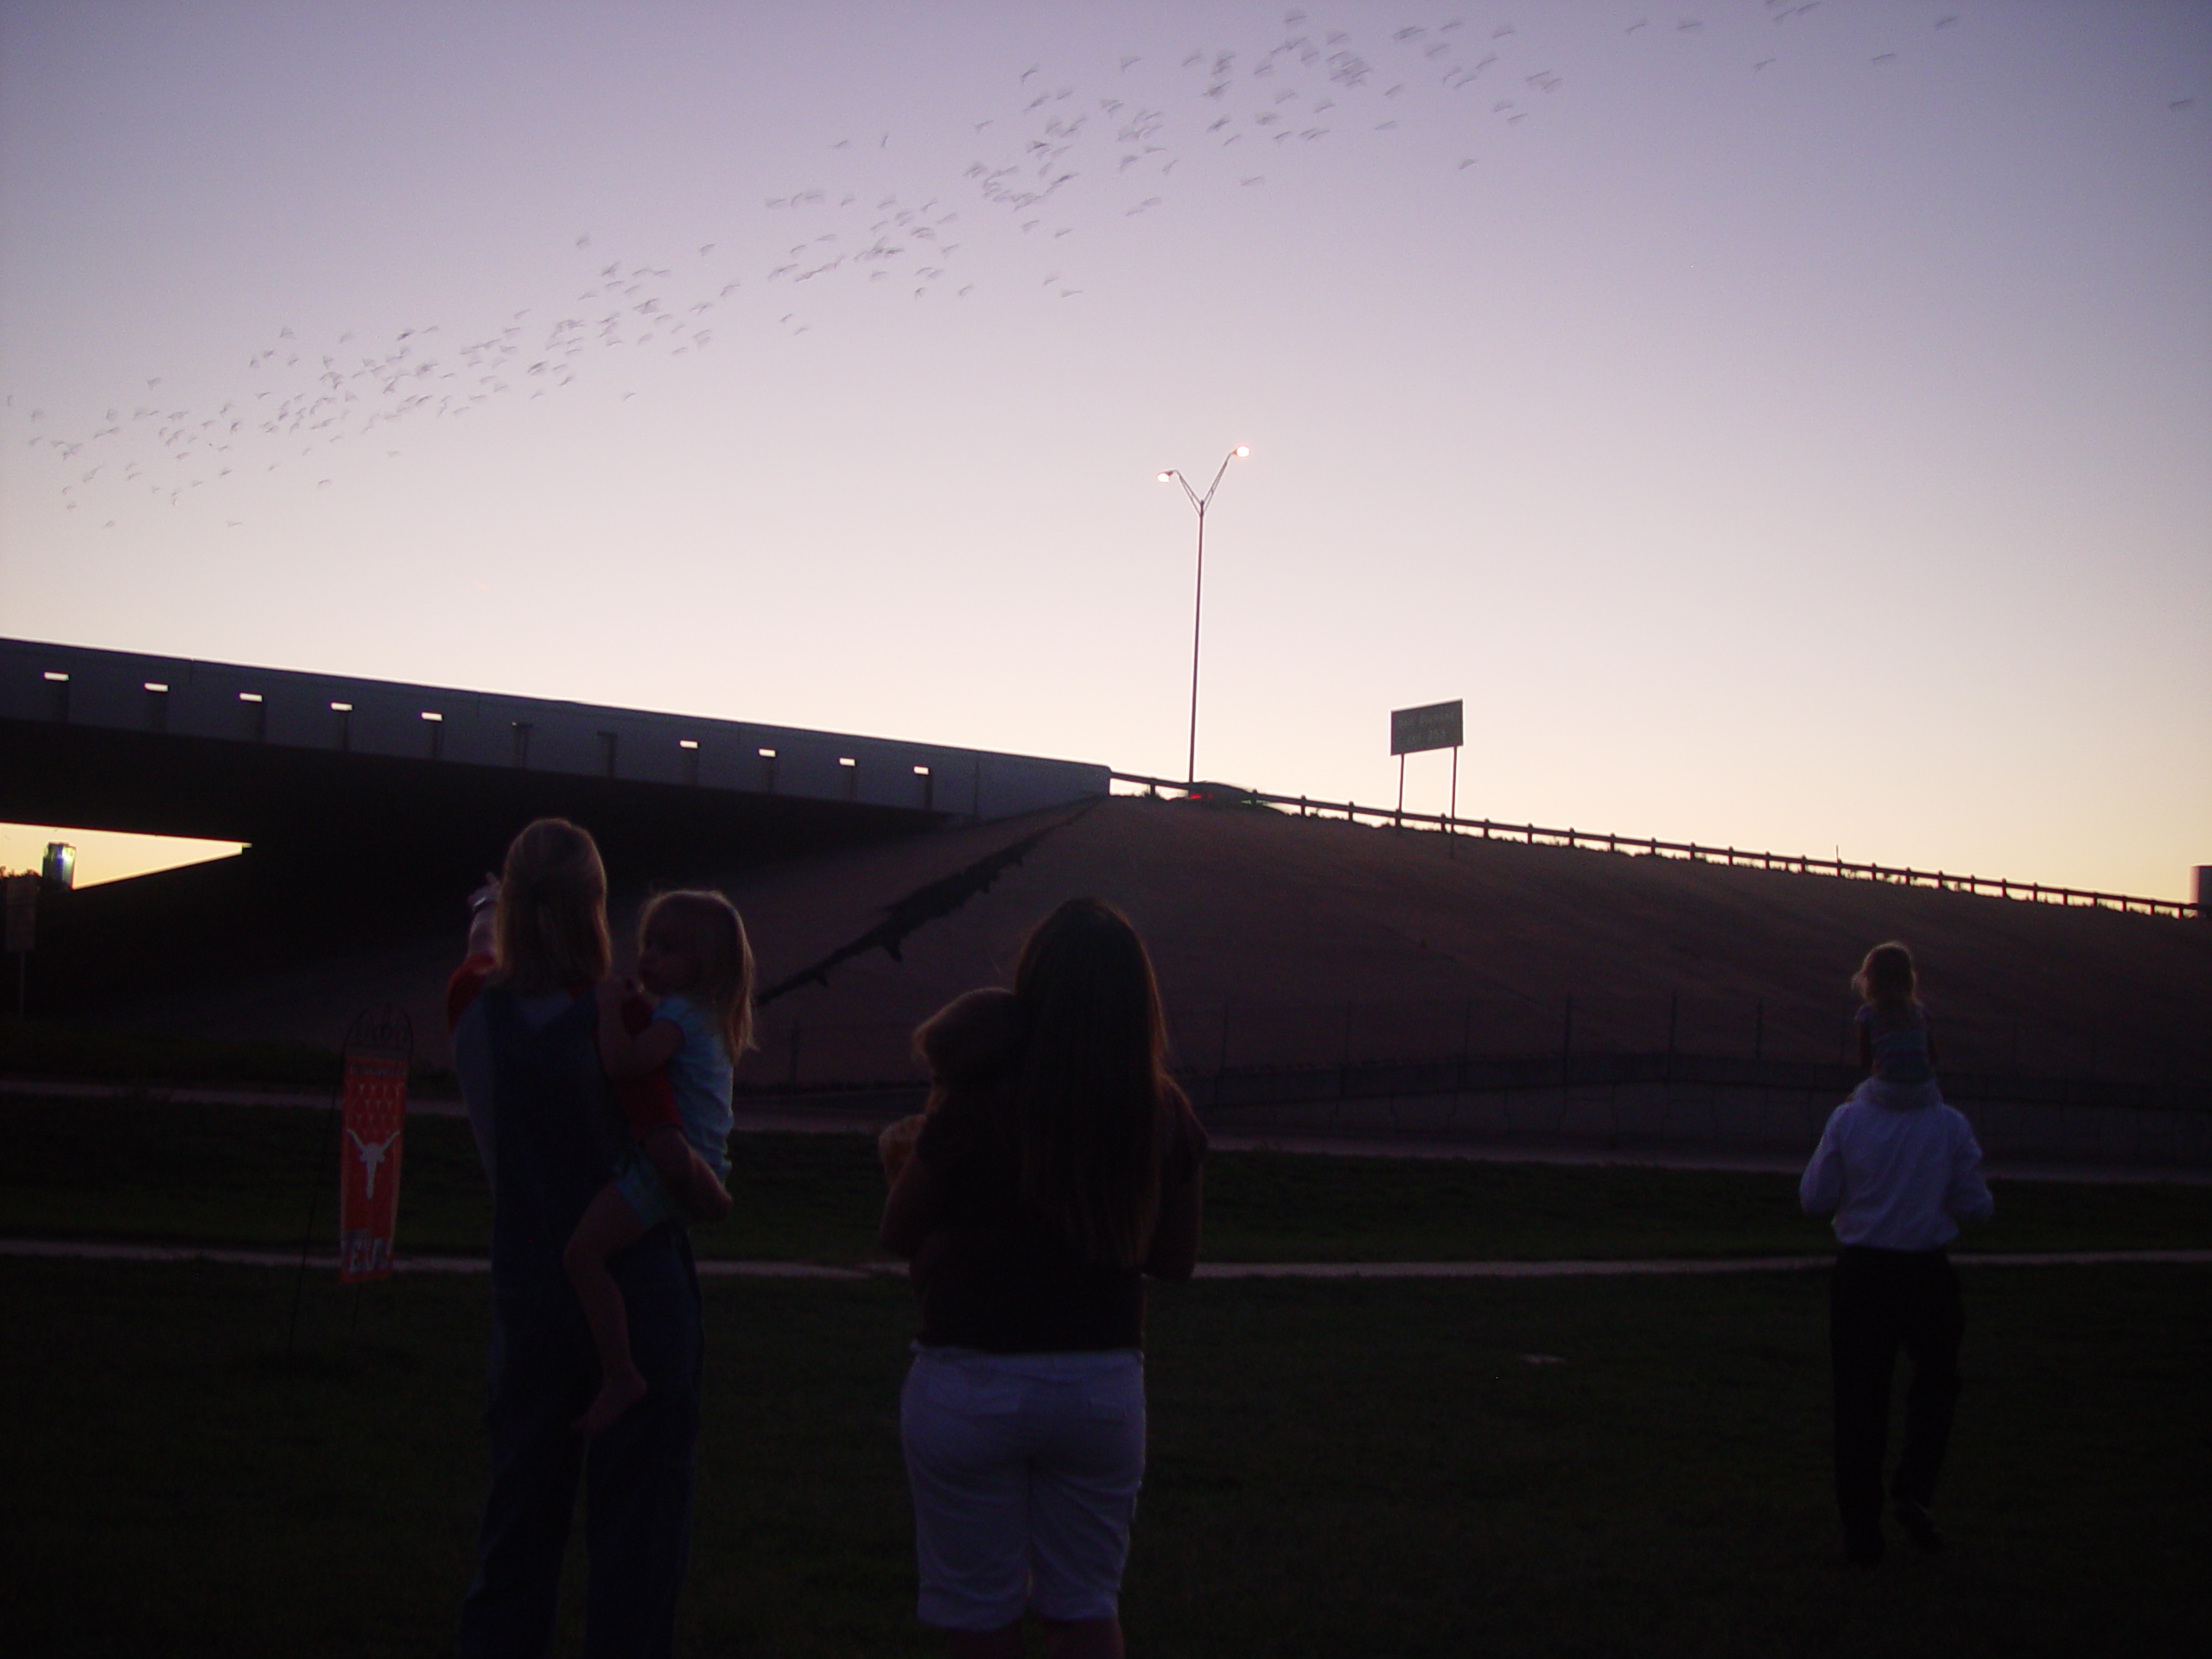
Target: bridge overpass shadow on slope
369, 807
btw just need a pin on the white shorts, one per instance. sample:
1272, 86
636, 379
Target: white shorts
1025, 1471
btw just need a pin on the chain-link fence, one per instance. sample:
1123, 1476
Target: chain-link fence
1472, 1043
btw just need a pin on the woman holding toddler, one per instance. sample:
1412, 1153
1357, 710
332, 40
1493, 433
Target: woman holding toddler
1056, 1167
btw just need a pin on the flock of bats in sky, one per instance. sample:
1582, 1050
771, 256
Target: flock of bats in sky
1058, 160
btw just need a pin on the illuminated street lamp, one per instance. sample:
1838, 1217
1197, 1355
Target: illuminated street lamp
1198, 594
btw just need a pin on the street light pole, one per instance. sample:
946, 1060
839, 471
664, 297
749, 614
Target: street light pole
1199, 503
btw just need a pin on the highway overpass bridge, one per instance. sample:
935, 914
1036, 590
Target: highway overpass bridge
317, 764
372, 807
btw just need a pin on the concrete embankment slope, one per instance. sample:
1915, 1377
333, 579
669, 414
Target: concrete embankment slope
1296, 942
1280, 920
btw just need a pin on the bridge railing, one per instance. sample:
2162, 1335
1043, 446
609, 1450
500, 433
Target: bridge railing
1647, 846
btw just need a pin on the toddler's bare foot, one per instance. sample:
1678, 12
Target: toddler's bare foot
616, 1395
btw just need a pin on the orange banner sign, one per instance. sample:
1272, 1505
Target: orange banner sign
368, 1164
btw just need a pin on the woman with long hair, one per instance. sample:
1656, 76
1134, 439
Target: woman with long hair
1060, 1165
549, 1126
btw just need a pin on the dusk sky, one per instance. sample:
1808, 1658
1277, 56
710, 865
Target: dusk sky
1786, 426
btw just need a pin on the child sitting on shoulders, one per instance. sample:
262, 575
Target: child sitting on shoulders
1895, 1044
964, 1043
695, 961
1899, 1170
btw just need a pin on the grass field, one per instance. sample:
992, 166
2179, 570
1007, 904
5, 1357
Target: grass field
1337, 1470
250, 1175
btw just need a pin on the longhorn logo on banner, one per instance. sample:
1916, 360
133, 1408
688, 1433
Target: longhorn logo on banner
375, 1114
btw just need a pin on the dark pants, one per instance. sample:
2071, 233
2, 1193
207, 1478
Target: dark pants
1882, 1301
637, 1476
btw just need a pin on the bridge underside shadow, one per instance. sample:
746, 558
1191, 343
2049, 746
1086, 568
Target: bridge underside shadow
349, 853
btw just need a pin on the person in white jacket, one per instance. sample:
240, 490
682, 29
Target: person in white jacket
1900, 1171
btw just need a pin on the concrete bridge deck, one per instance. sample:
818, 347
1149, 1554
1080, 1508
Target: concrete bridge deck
169, 746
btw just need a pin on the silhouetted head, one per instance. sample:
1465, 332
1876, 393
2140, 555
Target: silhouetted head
551, 931
1093, 1098
1886, 977
971, 1039
692, 942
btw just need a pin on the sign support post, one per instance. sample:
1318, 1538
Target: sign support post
23, 931
1415, 731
